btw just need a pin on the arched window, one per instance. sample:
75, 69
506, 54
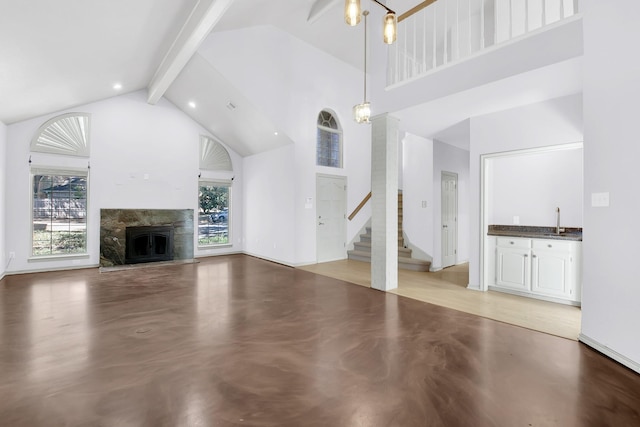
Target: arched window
329, 141
66, 134
213, 156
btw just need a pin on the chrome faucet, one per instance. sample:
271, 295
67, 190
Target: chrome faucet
558, 221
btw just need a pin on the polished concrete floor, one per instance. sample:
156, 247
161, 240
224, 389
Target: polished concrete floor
238, 341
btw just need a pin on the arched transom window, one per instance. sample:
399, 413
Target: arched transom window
329, 141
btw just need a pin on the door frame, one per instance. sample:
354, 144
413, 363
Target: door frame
344, 222
485, 197
455, 229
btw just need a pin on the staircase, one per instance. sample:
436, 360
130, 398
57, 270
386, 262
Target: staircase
362, 249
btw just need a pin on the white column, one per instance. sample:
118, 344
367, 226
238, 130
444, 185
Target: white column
384, 202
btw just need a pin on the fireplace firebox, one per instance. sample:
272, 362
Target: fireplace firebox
148, 244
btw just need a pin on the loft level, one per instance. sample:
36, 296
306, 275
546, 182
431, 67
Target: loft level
447, 31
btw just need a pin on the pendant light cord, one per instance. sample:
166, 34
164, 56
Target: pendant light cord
365, 13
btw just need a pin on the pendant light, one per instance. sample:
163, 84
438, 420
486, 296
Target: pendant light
390, 31
353, 11
362, 112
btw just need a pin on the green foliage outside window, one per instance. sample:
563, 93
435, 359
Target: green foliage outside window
213, 224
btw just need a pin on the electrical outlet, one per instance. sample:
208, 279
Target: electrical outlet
12, 255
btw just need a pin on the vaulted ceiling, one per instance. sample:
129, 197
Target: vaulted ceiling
55, 55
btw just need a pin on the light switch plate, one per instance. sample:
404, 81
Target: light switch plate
599, 200
516, 220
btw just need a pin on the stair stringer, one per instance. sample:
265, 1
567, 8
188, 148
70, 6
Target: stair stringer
356, 237
416, 252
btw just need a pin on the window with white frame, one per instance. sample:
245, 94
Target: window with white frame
329, 141
214, 207
58, 211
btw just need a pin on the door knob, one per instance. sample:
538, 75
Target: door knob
321, 223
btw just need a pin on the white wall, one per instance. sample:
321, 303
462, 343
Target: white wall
554, 122
610, 314
533, 185
3, 168
417, 177
447, 158
291, 82
269, 198
129, 138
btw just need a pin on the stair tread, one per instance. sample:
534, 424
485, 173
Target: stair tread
402, 259
368, 245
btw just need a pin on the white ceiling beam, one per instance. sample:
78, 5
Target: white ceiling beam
204, 16
318, 8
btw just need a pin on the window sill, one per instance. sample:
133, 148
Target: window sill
38, 258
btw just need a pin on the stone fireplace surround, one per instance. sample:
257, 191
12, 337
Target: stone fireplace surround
114, 223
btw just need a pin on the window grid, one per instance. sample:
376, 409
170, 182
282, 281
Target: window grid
214, 202
59, 215
329, 141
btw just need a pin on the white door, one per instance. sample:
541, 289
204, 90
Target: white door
449, 197
331, 221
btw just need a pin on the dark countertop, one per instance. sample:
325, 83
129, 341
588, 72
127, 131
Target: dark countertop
534, 232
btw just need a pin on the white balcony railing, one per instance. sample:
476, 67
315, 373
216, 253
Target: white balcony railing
451, 30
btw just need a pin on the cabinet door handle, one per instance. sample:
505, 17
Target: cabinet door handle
550, 246
533, 256
526, 255
511, 243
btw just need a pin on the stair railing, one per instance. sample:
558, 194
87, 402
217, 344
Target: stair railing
436, 33
360, 206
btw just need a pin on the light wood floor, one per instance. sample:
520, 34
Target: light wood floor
447, 288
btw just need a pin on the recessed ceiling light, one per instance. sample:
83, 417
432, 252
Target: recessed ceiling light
192, 104
117, 86
276, 133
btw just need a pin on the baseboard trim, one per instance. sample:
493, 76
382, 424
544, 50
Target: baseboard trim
206, 255
277, 261
46, 270
612, 354
534, 296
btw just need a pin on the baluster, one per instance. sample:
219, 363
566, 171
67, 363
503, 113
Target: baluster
457, 55
482, 24
415, 45
575, 6
445, 43
406, 53
526, 16
435, 34
469, 29
510, 19
544, 13
561, 9
424, 41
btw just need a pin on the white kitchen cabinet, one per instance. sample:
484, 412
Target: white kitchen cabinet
513, 269
541, 268
552, 268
